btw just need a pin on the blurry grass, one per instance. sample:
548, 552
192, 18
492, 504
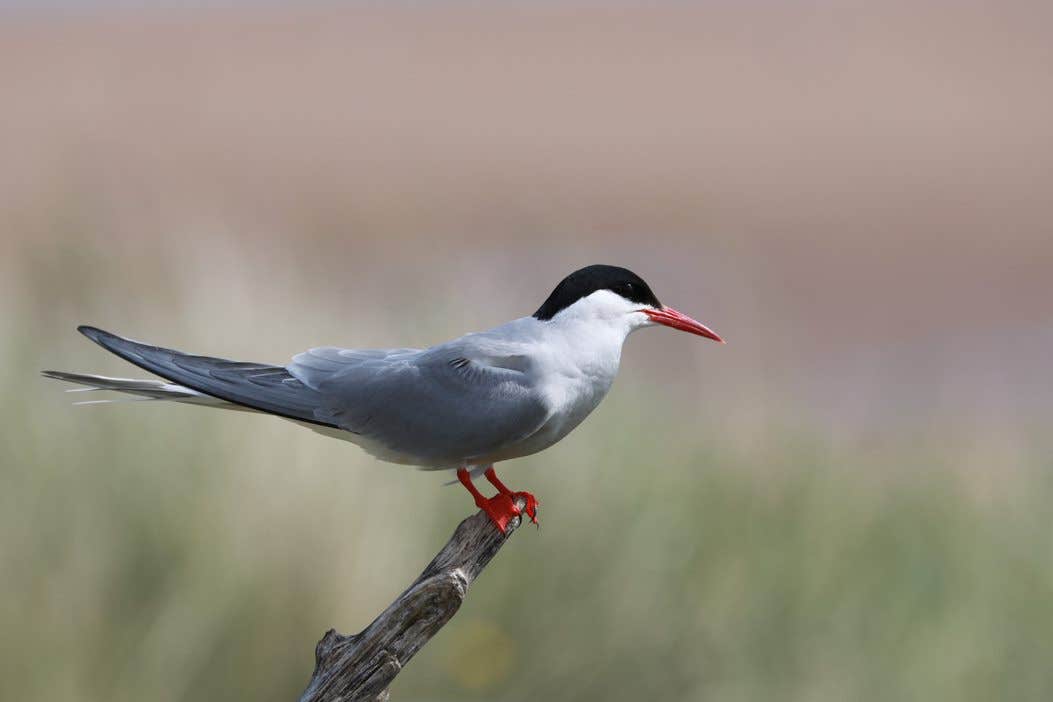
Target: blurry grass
696, 579
146, 556
171, 553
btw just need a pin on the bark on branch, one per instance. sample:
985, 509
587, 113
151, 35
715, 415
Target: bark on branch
361, 666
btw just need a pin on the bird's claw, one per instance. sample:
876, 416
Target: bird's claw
531, 505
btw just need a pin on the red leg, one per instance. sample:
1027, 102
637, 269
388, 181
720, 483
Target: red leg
531, 502
501, 508
491, 475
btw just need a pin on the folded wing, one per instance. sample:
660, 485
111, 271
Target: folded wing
438, 407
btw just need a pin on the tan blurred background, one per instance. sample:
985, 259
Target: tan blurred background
849, 501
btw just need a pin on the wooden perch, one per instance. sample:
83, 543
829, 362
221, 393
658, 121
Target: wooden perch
360, 667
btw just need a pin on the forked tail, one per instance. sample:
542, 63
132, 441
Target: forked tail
138, 389
202, 380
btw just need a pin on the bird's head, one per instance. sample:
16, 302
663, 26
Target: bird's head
617, 296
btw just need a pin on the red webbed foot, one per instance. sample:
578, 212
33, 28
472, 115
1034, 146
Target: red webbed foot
531, 502
502, 507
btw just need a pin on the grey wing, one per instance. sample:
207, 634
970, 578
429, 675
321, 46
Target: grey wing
438, 407
263, 387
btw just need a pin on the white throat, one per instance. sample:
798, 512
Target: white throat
600, 319
583, 349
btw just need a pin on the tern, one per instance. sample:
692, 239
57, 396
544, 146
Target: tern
462, 405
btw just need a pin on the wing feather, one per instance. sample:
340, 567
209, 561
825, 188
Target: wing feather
442, 406
257, 385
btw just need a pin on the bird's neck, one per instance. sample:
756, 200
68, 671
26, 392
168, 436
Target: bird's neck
591, 346
577, 362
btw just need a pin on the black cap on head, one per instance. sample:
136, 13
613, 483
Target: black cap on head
584, 282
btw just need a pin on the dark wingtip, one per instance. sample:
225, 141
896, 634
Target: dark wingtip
93, 333
62, 375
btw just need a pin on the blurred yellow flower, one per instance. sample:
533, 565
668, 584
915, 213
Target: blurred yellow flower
480, 654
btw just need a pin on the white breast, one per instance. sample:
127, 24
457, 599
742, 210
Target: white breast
574, 366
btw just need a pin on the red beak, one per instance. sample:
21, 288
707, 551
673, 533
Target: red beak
671, 318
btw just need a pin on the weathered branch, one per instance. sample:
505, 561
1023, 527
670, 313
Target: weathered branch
360, 667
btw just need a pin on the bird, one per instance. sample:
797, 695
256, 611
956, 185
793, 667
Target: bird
462, 405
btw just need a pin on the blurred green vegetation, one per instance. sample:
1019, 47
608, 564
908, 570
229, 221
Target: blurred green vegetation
172, 553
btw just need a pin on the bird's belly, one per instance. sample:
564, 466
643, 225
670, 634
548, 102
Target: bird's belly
566, 416
550, 433
379, 450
